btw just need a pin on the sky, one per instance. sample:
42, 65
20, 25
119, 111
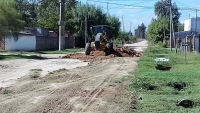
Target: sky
136, 12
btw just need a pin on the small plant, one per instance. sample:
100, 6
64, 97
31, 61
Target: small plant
7, 91
36, 70
35, 73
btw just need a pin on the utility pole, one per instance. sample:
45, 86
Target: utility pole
123, 22
175, 43
85, 28
86, 16
196, 22
170, 26
195, 33
107, 9
130, 26
61, 24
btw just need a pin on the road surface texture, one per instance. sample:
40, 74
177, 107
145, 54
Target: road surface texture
96, 87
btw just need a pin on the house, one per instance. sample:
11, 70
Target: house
190, 35
192, 24
35, 39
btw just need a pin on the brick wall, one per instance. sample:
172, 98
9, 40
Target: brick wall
2, 44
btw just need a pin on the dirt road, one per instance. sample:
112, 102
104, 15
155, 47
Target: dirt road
12, 70
96, 88
140, 46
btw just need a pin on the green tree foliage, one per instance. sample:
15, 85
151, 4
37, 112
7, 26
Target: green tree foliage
95, 16
28, 11
114, 25
156, 29
10, 23
123, 36
48, 14
162, 10
181, 26
140, 31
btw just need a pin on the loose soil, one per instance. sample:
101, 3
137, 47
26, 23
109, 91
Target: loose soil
100, 55
95, 88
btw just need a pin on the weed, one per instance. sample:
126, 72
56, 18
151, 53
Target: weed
162, 89
6, 91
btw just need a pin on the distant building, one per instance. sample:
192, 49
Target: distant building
191, 29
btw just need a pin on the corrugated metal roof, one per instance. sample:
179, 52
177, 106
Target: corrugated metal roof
183, 34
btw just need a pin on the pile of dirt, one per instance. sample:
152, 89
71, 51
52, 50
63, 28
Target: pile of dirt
100, 55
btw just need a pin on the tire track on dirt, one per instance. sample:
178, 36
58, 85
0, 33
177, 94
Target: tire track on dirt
96, 92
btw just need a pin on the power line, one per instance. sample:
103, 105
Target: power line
139, 6
190, 7
121, 4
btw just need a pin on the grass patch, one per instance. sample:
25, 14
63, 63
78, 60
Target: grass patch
35, 73
160, 90
6, 91
9, 57
66, 51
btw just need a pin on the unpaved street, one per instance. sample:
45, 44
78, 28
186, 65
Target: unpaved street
95, 88
12, 70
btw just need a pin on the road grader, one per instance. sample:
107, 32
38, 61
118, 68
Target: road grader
99, 41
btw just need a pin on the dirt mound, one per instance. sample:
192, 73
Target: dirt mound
100, 55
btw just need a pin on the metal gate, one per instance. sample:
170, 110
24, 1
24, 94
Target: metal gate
197, 42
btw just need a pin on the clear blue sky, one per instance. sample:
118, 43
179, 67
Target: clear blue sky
142, 11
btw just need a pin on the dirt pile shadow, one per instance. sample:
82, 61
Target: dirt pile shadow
100, 55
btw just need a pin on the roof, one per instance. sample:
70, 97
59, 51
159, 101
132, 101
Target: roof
183, 34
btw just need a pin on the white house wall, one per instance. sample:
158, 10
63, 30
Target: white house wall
187, 25
190, 24
24, 43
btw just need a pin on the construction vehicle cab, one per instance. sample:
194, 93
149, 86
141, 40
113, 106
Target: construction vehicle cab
99, 40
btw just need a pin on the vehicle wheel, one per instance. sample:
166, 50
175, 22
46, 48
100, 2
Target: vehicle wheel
87, 49
107, 50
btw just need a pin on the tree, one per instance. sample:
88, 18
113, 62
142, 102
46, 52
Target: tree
10, 23
48, 14
181, 26
123, 36
28, 11
140, 31
156, 29
95, 16
162, 10
114, 25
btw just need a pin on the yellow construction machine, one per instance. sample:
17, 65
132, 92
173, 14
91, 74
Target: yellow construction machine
99, 40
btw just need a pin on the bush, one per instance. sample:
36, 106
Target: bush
133, 38
117, 42
162, 44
